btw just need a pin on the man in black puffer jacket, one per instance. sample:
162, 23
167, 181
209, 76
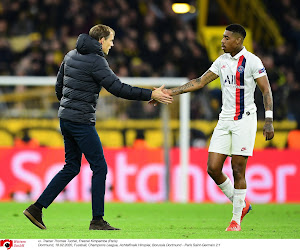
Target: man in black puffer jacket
82, 74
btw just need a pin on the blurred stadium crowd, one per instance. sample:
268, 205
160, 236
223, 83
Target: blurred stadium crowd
151, 40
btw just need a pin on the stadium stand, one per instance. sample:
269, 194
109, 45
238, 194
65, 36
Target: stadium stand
151, 40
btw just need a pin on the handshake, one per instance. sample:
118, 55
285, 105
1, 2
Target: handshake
161, 95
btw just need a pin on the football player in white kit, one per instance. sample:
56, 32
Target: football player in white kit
239, 72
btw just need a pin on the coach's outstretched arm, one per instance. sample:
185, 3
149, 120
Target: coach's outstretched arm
264, 86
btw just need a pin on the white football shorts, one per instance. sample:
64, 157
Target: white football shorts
235, 137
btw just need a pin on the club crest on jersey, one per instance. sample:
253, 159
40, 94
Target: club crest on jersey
240, 69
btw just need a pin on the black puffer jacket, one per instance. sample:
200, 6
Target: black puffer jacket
82, 74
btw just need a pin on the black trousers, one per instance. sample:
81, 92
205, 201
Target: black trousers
79, 139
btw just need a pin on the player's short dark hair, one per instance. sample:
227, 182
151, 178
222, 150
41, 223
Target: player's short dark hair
100, 30
237, 28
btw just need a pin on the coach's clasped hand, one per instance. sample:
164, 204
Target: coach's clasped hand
159, 96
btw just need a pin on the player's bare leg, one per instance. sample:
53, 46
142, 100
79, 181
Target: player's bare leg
238, 164
214, 168
215, 164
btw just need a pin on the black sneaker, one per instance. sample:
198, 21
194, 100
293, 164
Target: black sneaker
35, 216
101, 225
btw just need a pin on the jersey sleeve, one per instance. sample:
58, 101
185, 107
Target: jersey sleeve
258, 69
215, 67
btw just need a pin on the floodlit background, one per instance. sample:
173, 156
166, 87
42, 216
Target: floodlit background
151, 41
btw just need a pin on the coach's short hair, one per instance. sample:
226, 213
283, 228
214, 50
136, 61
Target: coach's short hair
100, 30
237, 28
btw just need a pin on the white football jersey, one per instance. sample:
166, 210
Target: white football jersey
237, 75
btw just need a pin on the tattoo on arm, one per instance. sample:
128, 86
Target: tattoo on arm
181, 89
195, 84
268, 100
208, 77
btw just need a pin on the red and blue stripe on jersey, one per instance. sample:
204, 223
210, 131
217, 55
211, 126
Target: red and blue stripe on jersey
239, 95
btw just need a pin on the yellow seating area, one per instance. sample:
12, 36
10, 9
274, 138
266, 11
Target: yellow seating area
279, 141
111, 138
6, 138
116, 134
47, 137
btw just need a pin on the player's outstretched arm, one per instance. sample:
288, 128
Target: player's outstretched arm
194, 84
264, 86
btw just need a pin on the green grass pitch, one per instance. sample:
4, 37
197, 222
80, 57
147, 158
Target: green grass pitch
152, 221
